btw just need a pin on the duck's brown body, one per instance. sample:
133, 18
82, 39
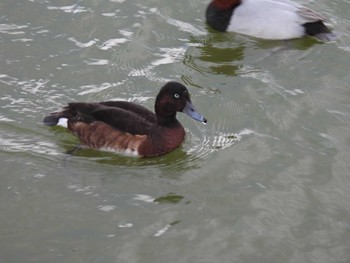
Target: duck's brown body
102, 136
127, 127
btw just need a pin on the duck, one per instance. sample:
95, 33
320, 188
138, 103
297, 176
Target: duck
129, 128
267, 19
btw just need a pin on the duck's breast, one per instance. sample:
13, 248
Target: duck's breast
162, 140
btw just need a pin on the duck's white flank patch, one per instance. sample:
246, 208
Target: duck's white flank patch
126, 152
63, 122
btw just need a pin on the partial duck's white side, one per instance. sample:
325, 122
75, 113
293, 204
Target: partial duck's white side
272, 19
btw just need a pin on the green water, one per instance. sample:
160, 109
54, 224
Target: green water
266, 180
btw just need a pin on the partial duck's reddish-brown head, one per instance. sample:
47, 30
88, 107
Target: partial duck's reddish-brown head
226, 4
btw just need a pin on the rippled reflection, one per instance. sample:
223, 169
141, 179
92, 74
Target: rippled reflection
212, 55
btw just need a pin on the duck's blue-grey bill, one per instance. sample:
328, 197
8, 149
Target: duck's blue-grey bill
191, 111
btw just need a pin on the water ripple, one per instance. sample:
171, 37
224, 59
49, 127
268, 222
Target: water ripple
186, 27
81, 44
214, 141
70, 9
181, 25
27, 143
12, 29
92, 88
97, 62
168, 56
108, 44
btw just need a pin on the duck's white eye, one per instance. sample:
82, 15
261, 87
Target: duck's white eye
176, 96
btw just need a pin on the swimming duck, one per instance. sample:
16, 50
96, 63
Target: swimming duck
267, 19
128, 128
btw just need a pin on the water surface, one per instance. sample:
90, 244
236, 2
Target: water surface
266, 180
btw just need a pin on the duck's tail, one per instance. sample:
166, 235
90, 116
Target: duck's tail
319, 30
75, 111
59, 118
51, 120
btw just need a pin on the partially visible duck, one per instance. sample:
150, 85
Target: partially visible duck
126, 127
267, 19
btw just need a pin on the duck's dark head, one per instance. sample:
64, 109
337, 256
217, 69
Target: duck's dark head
174, 97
